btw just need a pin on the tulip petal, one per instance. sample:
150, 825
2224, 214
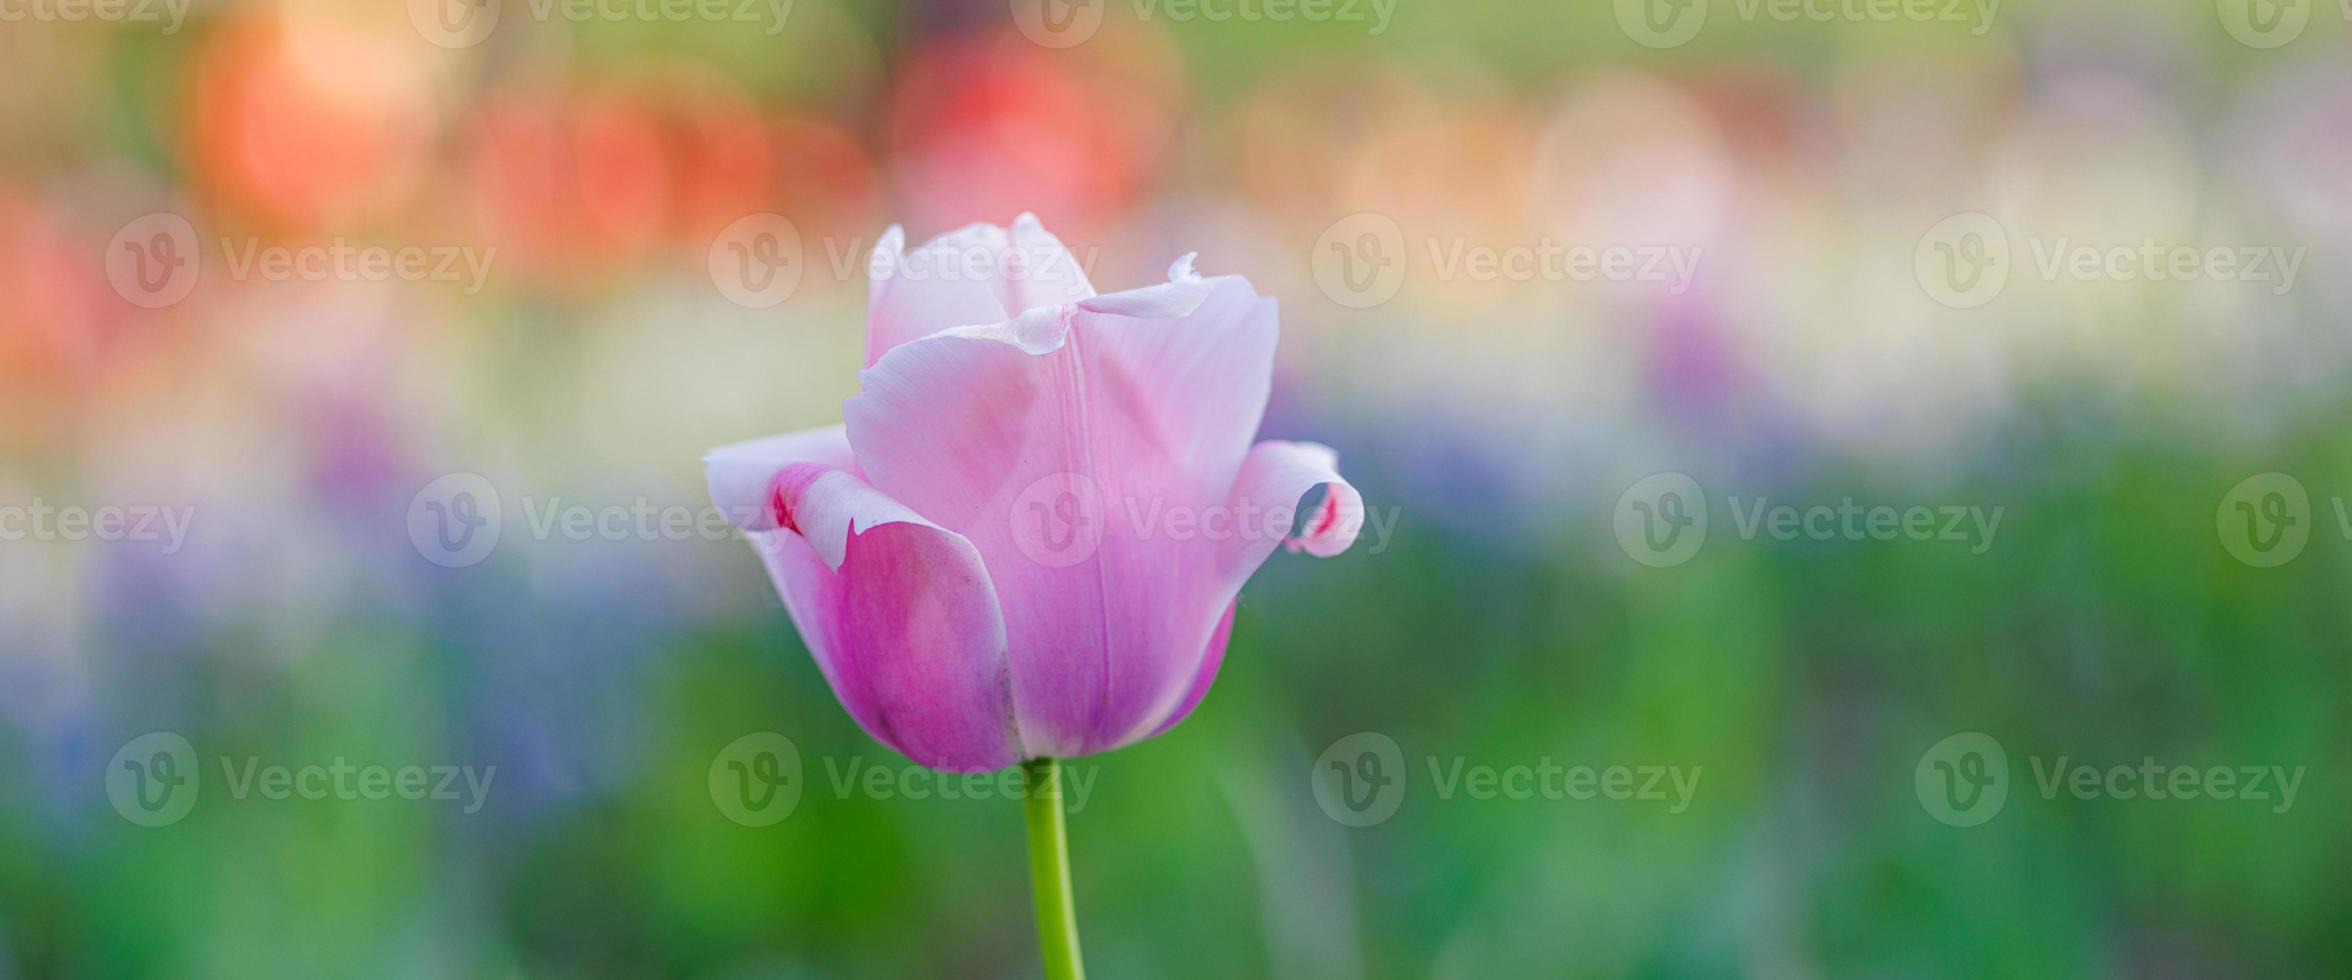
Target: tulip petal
947, 282
1183, 293
1273, 479
978, 274
742, 475
1039, 270
1202, 676
1136, 422
898, 613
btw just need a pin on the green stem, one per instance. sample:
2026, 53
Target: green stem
1049, 871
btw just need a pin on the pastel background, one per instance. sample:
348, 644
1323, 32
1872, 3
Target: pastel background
589, 161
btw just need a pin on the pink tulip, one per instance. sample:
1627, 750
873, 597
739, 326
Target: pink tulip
1027, 539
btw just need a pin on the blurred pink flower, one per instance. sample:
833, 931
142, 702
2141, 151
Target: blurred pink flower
1027, 539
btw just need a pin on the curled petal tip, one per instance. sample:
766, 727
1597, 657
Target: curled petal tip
1181, 269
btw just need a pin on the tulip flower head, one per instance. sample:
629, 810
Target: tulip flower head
1027, 536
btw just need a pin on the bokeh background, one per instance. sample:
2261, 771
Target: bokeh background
592, 160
